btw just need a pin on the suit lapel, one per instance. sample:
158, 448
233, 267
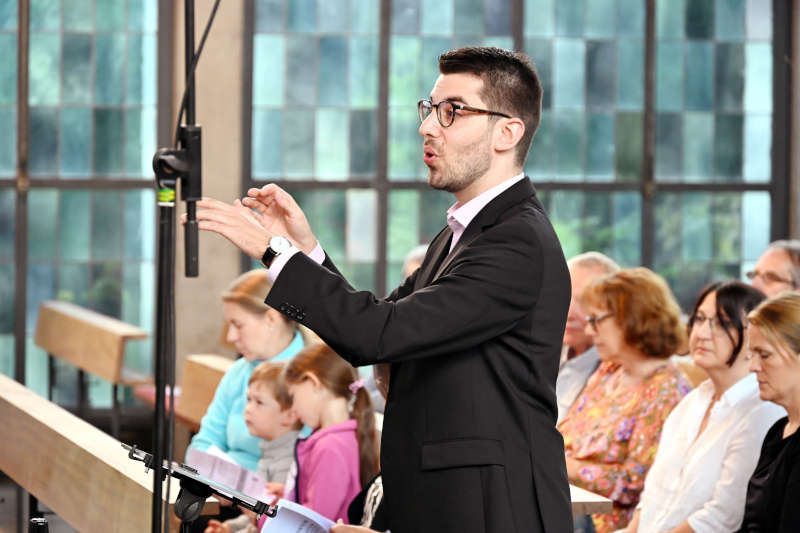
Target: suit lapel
488, 216
436, 254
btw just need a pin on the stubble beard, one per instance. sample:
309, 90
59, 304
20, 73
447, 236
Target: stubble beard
467, 165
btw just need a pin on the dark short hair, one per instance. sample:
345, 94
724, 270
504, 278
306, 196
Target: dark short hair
510, 85
734, 300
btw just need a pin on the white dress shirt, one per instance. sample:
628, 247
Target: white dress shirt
704, 478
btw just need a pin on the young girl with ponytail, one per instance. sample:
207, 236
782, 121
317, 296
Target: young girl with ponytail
341, 454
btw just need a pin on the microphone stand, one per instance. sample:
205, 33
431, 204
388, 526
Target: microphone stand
172, 165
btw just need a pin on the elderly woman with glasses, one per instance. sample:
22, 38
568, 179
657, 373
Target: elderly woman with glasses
611, 432
709, 445
773, 494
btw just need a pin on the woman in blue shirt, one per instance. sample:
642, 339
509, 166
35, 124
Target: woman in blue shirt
259, 333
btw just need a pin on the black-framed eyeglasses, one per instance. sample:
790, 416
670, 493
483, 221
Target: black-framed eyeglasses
769, 277
714, 323
594, 320
446, 111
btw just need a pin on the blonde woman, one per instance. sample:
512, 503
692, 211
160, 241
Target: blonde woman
774, 489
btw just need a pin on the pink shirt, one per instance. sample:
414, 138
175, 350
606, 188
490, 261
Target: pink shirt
328, 470
458, 218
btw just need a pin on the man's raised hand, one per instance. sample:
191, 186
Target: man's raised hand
236, 223
280, 215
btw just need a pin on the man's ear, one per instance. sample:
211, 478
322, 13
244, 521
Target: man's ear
508, 134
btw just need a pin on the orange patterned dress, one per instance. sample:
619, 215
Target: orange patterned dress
616, 437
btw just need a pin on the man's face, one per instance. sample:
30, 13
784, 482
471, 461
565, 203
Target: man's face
773, 272
458, 155
575, 335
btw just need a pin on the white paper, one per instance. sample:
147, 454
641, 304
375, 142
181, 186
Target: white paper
294, 518
212, 464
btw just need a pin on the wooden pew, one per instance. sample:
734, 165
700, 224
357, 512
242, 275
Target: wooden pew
93, 342
585, 502
81, 473
201, 375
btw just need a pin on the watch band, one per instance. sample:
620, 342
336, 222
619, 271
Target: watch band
269, 256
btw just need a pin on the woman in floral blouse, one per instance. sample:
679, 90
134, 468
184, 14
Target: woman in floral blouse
611, 432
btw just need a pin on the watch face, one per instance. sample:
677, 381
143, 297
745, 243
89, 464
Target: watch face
279, 244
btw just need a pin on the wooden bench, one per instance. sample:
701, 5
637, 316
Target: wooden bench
81, 473
585, 502
93, 342
201, 375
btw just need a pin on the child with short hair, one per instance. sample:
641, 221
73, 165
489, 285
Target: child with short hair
268, 414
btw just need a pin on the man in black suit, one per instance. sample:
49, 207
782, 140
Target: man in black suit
473, 336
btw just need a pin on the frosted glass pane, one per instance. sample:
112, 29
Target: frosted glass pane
76, 80
141, 86
267, 143
601, 18
437, 17
42, 214
106, 225
77, 15
363, 142
540, 157
758, 78
269, 15
298, 144
699, 82
628, 136
405, 16
8, 142
140, 141
8, 15
45, 49
139, 221
699, 19
698, 147
332, 154
757, 147
600, 147
332, 76
361, 217
570, 139
669, 19
729, 76
728, 147
669, 147
569, 73
364, 16
105, 288
268, 70
111, 13
468, 17
8, 69
363, 86
301, 71
402, 224
729, 20
7, 207
539, 18
601, 75
333, 15
45, 14
627, 208
109, 80
405, 152
75, 149
630, 72
759, 19
43, 141
302, 15
569, 18
630, 18
107, 156
755, 224
143, 15
73, 226
696, 216
404, 71
497, 17
669, 76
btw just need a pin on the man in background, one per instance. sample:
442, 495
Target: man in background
579, 357
778, 268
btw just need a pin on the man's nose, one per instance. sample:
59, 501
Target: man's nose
429, 127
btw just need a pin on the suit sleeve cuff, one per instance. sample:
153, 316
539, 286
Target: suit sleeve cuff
317, 254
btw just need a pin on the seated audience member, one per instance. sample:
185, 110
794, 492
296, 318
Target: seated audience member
341, 454
611, 431
269, 416
778, 268
259, 333
579, 358
710, 442
774, 489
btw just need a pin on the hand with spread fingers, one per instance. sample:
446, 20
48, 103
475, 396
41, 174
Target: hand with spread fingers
245, 228
280, 215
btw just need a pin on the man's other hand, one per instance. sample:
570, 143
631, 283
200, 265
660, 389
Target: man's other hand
236, 223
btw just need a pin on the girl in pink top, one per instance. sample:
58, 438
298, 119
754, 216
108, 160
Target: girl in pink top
340, 455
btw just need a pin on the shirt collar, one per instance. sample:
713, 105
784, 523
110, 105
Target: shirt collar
739, 391
462, 215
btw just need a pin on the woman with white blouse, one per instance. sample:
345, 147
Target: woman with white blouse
710, 443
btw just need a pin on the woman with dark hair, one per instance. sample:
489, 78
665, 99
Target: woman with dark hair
709, 444
774, 489
611, 431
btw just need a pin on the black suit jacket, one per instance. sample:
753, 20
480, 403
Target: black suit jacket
469, 440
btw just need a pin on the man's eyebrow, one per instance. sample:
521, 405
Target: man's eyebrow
453, 99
